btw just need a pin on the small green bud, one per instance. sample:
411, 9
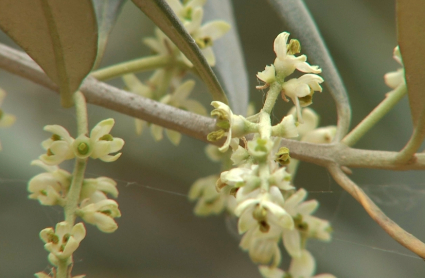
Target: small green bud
282, 156
216, 135
83, 148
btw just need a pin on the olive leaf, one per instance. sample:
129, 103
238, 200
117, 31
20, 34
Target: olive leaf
298, 20
230, 63
162, 15
107, 12
411, 40
60, 35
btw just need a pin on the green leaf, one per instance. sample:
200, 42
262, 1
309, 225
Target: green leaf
297, 18
411, 39
162, 15
107, 12
230, 64
60, 35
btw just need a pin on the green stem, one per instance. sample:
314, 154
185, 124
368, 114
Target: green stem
164, 85
81, 112
415, 141
62, 269
380, 111
73, 196
272, 94
138, 65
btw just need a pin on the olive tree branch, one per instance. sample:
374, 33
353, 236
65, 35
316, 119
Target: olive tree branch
331, 156
393, 229
197, 126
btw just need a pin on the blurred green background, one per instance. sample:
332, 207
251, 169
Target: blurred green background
158, 235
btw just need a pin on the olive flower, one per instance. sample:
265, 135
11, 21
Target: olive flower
228, 124
49, 188
301, 90
301, 267
306, 225
395, 78
286, 62
58, 147
179, 99
101, 214
64, 240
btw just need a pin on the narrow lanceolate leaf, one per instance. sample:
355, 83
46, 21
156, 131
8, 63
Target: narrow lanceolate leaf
163, 16
60, 35
300, 24
411, 39
230, 63
107, 12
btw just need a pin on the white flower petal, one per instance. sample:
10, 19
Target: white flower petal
173, 136
194, 106
295, 200
214, 29
292, 242
270, 272
308, 207
279, 45
302, 266
246, 221
156, 132
183, 91
209, 55
245, 205
139, 126
110, 158
102, 128
195, 23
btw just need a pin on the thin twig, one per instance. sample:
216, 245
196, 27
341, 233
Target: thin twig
395, 231
197, 126
377, 113
415, 141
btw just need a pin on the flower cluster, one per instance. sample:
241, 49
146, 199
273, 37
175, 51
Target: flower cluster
178, 98
6, 120
270, 209
86, 198
310, 132
52, 187
165, 84
191, 14
299, 90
